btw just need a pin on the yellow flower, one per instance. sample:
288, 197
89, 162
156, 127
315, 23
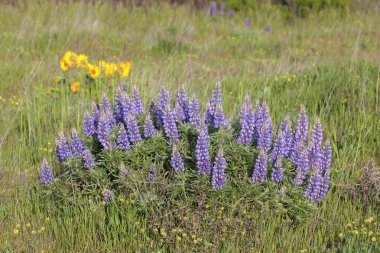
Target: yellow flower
75, 86
82, 61
341, 235
70, 57
28, 225
125, 69
56, 79
15, 231
102, 65
370, 233
18, 226
93, 71
373, 239
64, 65
355, 232
110, 70
369, 220
179, 238
34, 232
42, 229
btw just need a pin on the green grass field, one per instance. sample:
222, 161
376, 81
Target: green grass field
328, 62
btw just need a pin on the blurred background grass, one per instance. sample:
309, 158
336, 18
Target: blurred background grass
325, 58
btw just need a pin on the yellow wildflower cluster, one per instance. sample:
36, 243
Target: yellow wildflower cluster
285, 77
12, 100
366, 232
94, 70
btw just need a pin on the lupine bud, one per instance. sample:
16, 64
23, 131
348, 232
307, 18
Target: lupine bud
301, 168
122, 139
76, 144
218, 171
313, 188
287, 132
152, 173
133, 129
219, 118
277, 171
88, 124
170, 126
163, 101
176, 160
62, 148
137, 101
89, 161
315, 146
326, 157
201, 150
104, 130
260, 169
182, 102
301, 133
46, 173
194, 114
149, 129
107, 195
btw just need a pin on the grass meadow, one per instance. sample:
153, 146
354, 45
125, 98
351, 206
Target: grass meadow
328, 61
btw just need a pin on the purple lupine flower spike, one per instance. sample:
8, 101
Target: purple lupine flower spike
163, 101
313, 188
133, 129
265, 136
324, 187
46, 173
194, 114
314, 150
287, 132
247, 22
170, 126
179, 113
260, 170
222, 9
131, 106
201, 150
301, 133
182, 102
107, 195
219, 118
302, 167
152, 173
95, 115
106, 106
230, 13
176, 160
278, 146
212, 10
277, 171
326, 157
149, 129
218, 171
88, 124
209, 114
89, 161
122, 139
259, 120
268, 28
76, 144
246, 131
217, 95
62, 148
119, 105
152, 110
137, 101
104, 130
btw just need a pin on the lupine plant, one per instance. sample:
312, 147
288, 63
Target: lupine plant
177, 137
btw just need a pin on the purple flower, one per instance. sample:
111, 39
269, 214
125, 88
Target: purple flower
278, 146
76, 144
213, 8
119, 105
287, 132
259, 120
89, 161
222, 9
265, 136
62, 148
95, 115
152, 173
46, 173
301, 133
247, 22
260, 170
179, 113
219, 118
182, 102
217, 95
201, 150
194, 114
268, 28
149, 129
122, 139
324, 187
315, 145
218, 171
170, 126
106, 106
176, 160
104, 130
163, 101
326, 157
133, 129
230, 13
277, 171
209, 114
313, 188
247, 121
137, 101
152, 110
88, 124
107, 195
302, 167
